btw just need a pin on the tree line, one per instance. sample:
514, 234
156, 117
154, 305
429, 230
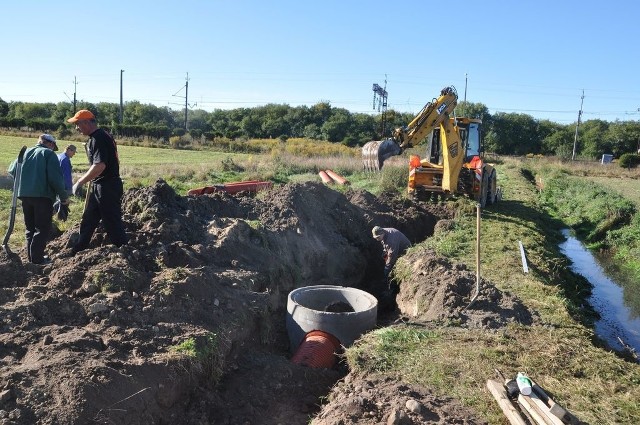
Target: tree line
504, 133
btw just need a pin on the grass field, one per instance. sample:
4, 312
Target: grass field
629, 187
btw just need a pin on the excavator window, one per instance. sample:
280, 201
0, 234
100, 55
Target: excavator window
434, 154
473, 140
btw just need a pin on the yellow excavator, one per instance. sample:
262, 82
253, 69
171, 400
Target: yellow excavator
453, 163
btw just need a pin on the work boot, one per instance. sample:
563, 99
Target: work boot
45, 260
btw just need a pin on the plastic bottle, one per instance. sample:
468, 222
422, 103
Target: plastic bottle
524, 383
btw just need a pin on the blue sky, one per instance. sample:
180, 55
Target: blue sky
532, 57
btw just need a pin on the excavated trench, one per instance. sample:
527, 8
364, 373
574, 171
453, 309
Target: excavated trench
187, 323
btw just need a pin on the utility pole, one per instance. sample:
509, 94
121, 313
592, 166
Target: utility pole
186, 102
465, 94
575, 137
465, 87
75, 83
380, 94
121, 104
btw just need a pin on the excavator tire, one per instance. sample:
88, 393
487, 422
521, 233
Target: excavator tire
484, 190
492, 191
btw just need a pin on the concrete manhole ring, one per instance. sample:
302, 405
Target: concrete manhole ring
343, 312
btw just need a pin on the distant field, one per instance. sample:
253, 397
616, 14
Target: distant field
140, 156
626, 187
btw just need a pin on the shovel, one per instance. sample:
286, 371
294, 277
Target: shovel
14, 201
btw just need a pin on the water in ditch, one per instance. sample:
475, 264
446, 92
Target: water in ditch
615, 300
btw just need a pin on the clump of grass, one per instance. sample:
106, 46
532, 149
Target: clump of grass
202, 354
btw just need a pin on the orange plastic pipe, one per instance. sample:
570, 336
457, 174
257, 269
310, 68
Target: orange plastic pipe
317, 350
325, 177
338, 178
232, 188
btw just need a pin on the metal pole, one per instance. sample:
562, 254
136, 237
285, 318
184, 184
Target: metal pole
575, 137
186, 104
465, 87
121, 104
75, 83
478, 209
473, 299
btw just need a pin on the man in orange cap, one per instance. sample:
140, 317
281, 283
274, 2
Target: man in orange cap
104, 202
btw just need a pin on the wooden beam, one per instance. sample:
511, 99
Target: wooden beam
534, 411
510, 411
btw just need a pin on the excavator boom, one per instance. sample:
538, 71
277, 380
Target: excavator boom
434, 113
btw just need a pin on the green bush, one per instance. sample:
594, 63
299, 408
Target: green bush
629, 160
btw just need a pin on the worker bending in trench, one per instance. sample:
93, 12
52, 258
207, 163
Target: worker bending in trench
394, 244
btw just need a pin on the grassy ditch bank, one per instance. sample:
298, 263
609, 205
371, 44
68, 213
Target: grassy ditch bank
603, 211
560, 353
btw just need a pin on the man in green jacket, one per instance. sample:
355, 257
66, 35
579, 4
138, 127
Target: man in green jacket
40, 183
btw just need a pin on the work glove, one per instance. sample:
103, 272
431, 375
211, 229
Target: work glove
61, 209
76, 189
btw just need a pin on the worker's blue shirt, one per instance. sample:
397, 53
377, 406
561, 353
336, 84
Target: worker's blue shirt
65, 166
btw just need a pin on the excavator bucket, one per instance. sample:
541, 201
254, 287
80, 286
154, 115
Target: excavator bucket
374, 153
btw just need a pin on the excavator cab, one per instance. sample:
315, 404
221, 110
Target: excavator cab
470, 140
451, 149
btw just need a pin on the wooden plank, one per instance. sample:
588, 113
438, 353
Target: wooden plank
538, 416
554, 408
500, 394
544, 409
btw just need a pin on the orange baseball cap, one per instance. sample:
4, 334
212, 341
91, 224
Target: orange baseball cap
82, 114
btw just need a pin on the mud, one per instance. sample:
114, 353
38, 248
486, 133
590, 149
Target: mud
185, 325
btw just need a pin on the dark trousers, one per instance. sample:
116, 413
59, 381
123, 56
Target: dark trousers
38, 217
104, 203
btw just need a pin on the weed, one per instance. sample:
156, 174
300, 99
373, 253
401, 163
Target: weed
202, 354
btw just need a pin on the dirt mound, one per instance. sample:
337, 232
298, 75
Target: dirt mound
438, 291
381, 399
186, 324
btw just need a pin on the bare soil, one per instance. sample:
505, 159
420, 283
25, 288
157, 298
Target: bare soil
95, 338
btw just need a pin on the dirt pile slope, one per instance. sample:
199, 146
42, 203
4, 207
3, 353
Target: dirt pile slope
438, 291
186, 323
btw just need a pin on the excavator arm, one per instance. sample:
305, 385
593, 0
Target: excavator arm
430, 117
452, 155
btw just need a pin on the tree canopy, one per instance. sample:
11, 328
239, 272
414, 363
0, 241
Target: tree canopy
504, 133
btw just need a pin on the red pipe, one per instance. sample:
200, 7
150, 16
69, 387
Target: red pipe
338, 178
232, 188
325, 177
317, 350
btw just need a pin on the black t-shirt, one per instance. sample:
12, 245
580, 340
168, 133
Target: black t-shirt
102, 148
